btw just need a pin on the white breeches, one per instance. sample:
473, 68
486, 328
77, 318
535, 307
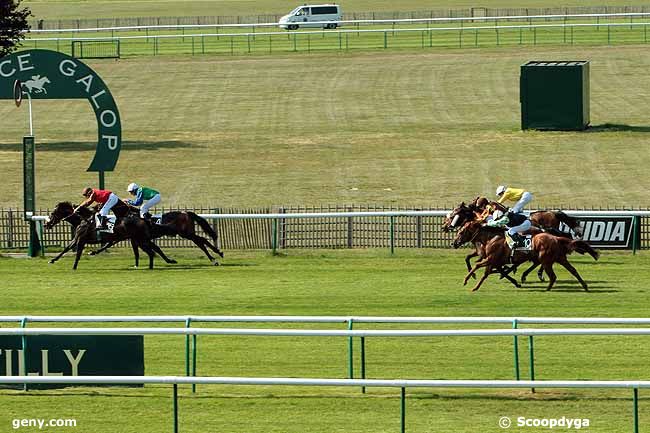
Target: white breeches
149, 204
523, 201
112, 201
520, 228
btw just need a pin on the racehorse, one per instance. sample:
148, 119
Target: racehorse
480, 238
546, 220
181, 224
546, 250
128, 226
172, 224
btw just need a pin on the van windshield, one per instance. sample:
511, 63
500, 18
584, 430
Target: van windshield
298, 11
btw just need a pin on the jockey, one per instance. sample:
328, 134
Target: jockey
106, 198
144, 196
520, 196
515, 223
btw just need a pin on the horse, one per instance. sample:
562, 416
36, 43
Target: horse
172, 224
480, 238
128, 226
546, 250
548, 221
181, 224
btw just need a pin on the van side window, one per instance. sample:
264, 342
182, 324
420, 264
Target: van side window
324, 10
302, 12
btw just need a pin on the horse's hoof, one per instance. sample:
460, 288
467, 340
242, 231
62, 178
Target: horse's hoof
173, 262
474, 289
220, 254
215, 263
92, 253
51, 262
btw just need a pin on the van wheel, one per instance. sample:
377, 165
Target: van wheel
331, 26
292, 26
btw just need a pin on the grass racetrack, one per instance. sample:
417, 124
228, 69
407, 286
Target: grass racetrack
342, 282
406, 127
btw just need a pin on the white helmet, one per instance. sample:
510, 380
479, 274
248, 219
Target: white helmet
132, 187
497, 214
501, 189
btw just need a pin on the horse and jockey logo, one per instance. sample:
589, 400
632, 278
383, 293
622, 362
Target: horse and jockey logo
37, 84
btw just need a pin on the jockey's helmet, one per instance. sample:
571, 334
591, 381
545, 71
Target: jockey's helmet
500, 190
132, 187
87, 191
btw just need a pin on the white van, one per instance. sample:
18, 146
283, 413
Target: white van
312, 16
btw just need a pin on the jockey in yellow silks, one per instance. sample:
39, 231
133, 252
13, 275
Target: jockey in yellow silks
521, 197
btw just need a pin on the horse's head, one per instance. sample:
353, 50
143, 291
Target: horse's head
61, 211
480, 203
466, 233
457, 217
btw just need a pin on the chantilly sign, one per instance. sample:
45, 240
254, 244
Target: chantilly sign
49, 74
65, 355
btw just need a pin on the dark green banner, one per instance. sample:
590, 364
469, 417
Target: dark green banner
65, 355
49, 74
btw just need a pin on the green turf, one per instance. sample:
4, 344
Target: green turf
420, 127
352, 282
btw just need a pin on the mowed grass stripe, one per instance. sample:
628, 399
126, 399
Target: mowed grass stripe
414, 128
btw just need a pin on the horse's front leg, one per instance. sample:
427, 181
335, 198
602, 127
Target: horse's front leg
467, 261
65, 250
488, 270
80, 250
477, 265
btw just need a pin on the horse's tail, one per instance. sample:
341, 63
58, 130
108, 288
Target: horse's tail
582, 247
570, 221
205, 225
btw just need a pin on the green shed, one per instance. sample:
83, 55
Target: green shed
554, 95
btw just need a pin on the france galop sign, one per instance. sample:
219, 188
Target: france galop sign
49, 74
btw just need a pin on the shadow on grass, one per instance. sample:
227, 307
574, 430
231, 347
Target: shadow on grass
76, 146
615, 127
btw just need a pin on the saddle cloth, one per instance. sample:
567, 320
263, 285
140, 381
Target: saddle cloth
528, 243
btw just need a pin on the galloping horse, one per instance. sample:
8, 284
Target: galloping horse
181, 224
480, 239
172, 224
546, 250
546, 220
128, 226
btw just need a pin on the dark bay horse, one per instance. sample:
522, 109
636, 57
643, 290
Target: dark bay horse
182, 224
547, 250
128, 226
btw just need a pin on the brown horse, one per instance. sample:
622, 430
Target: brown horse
546, 250
480, 238
128, 226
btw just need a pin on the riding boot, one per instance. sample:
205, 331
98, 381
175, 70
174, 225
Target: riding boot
102, 222
518, 240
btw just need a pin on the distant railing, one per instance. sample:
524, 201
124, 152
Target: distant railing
359, 34
477, 12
